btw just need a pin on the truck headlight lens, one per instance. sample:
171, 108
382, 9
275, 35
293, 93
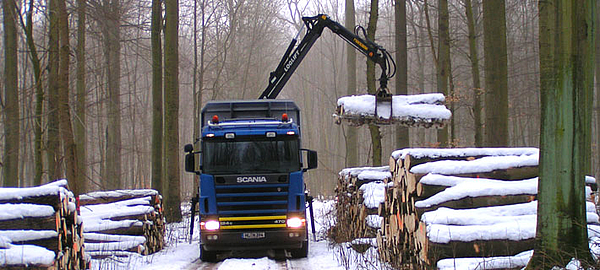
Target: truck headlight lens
211, 225
295, 222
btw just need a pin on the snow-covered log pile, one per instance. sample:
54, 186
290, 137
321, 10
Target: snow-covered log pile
40, 228
120, 222
359, 193
425, 110
445, 204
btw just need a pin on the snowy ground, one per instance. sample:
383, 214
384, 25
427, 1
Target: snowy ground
180, 254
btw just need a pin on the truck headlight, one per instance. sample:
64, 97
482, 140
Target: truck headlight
295, 222
210, 225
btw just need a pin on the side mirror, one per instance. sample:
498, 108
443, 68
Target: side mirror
311, 159
190, 163
190, 159
188, 148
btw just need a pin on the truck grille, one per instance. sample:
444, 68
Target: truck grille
251, 199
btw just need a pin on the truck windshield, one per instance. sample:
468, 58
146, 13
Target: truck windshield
251, 155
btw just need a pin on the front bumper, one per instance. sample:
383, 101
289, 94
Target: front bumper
261, 239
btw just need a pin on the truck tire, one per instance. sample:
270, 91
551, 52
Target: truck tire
301, 252
207, 256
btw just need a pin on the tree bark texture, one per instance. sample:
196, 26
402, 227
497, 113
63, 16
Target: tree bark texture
70, 148
474, 56
402, 135
53, 138
371, 86
496, 80
10, 166
157, 97
172, 153
39, 96
566, 79
80, 111
351, 132
443, 64
112, 53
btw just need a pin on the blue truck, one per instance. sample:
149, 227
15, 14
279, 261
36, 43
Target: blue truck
252, 193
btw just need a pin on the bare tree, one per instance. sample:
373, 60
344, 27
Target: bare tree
10, 166
53, 141
402, 135
351, 132
172, 183
474, 56
496, 78
566, 76
157, 96
80, 112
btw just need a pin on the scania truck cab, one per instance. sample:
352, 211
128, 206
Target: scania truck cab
252, 193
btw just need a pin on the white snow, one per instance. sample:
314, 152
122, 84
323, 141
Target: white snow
125, 245
27, 235
53, 188
480, 165
104, 225
373, 194
374, 221
118, 193
24, 210
362, 173
517, 261
405, 106
4, 242
480, 187
112, 237
106, 212
463, 152
26, 255
237, 264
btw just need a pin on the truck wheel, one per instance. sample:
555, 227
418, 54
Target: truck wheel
207, 256
300, 252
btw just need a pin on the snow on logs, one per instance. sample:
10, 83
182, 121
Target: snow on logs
425, 110
359, 193
445, 206
122, 221
40, 228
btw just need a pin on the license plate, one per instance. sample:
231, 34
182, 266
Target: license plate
253, 235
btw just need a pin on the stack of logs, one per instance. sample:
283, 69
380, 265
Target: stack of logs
359, 192
40, 228
122, 222
445, 203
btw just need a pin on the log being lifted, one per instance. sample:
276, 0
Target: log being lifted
425, 110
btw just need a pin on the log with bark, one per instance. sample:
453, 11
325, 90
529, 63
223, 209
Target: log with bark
122, 222
359, 193
443, 203
40, 227
426, 110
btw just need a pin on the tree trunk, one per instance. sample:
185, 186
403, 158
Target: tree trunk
68, 142
53, 144
402, 135
157, 97
80, 119
10, 166
496, 80
371, 87
351, 132
566, 77
597, 89
171, 185
443, 66
475, 73
39, 96
112, 53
